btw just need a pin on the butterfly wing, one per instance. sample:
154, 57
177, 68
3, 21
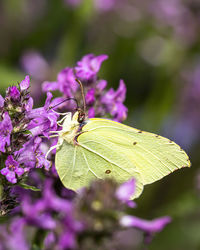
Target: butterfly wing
94, 158
153, 156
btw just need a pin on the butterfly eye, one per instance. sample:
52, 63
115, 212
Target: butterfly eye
81, 116
108, 171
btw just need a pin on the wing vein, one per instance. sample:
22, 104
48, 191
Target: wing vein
88, 165
105, 158
74, 160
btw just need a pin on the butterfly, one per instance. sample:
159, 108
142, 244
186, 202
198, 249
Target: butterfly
98, 148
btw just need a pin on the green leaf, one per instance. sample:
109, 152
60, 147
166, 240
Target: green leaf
25, 186
27, 132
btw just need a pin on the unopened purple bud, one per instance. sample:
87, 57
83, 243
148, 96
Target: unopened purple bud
25, 84
14, 93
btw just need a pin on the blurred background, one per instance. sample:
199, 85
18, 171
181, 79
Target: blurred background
155, 47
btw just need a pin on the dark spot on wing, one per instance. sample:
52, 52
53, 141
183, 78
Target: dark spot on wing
139, 131
134, 143
157, 136
108, 171
170, 141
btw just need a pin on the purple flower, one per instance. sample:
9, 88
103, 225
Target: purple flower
65, 83
118, 95
125, 191
101, 85
42, 161
29, 104
43, 119
26, 155
113, 100
90, 96
25, 84
14, 238
53, 213
12, 169
91, 112
35, 214
5, 131
149, 227
50, 86
13, 93
67, 240
49, 240
119, 112
33, 154
89, 66
34, 64
110, 102
39, 212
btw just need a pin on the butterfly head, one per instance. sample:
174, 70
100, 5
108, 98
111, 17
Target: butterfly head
81, 115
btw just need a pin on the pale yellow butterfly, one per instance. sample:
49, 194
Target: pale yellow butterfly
98, 148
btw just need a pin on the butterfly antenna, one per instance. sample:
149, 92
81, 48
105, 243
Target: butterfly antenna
82, 93
65, 100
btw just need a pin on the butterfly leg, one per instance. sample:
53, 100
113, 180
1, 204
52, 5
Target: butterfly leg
60, 142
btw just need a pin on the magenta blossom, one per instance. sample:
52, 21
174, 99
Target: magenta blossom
89, 66
65, 83
34, 64
99, 101
33, 154
113, 100
125, 191
90, 96
150, 227
43, 119
13, 93
12, 169
13, 238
